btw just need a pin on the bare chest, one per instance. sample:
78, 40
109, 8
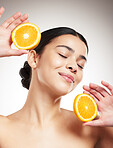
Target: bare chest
46, 141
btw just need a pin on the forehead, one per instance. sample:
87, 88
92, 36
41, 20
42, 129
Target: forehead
71, 41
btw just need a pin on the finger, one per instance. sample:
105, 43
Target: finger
96, 100
99, 89
94, 123
15, 52
17, 22
107, 85
93, 92
1, 11
10, 20
26, 21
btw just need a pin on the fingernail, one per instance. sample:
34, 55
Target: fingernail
17, 14
91, 83
104, 82
86, 87
26, 15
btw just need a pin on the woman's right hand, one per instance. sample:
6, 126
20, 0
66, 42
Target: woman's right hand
6, 29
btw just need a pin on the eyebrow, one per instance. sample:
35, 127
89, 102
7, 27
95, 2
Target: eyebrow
70, 49
83, 57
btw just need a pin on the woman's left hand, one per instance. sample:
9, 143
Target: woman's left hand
104, 100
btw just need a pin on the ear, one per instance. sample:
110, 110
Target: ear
33, 59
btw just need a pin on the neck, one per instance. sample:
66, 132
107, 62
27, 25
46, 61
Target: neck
41, 106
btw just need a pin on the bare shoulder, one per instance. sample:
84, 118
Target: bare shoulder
70, 118
77, 126
102, 136
4, 122
106, 137
68, 114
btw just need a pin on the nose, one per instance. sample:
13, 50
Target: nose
72, 67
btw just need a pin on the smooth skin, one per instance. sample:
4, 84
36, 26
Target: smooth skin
41, 122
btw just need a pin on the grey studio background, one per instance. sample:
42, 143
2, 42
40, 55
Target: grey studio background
92, 18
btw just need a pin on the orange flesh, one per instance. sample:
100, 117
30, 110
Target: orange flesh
86, 107
19, 36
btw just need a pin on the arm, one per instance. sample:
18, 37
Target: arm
104, 100
5, 34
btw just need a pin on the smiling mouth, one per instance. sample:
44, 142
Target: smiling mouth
67, 77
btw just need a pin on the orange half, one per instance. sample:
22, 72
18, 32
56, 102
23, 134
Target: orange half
85, 107
26, 36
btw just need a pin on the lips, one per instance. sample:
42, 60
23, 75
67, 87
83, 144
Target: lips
67, 76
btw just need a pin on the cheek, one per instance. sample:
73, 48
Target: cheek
56, 61
48, 65
78, 78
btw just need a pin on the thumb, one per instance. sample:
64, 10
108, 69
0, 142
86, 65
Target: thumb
94, 123
15, 52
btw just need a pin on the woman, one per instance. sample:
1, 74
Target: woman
53, 69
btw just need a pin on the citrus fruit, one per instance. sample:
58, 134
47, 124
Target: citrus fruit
85, 107
26, 36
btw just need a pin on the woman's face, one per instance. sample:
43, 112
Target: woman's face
60, 68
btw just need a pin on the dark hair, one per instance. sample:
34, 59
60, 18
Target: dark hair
46, 37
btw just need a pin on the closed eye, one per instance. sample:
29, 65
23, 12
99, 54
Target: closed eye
62, 55
80, 66
66, 57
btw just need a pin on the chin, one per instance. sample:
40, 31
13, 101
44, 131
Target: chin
62, 89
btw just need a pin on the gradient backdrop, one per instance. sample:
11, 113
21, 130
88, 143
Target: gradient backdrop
92, 18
